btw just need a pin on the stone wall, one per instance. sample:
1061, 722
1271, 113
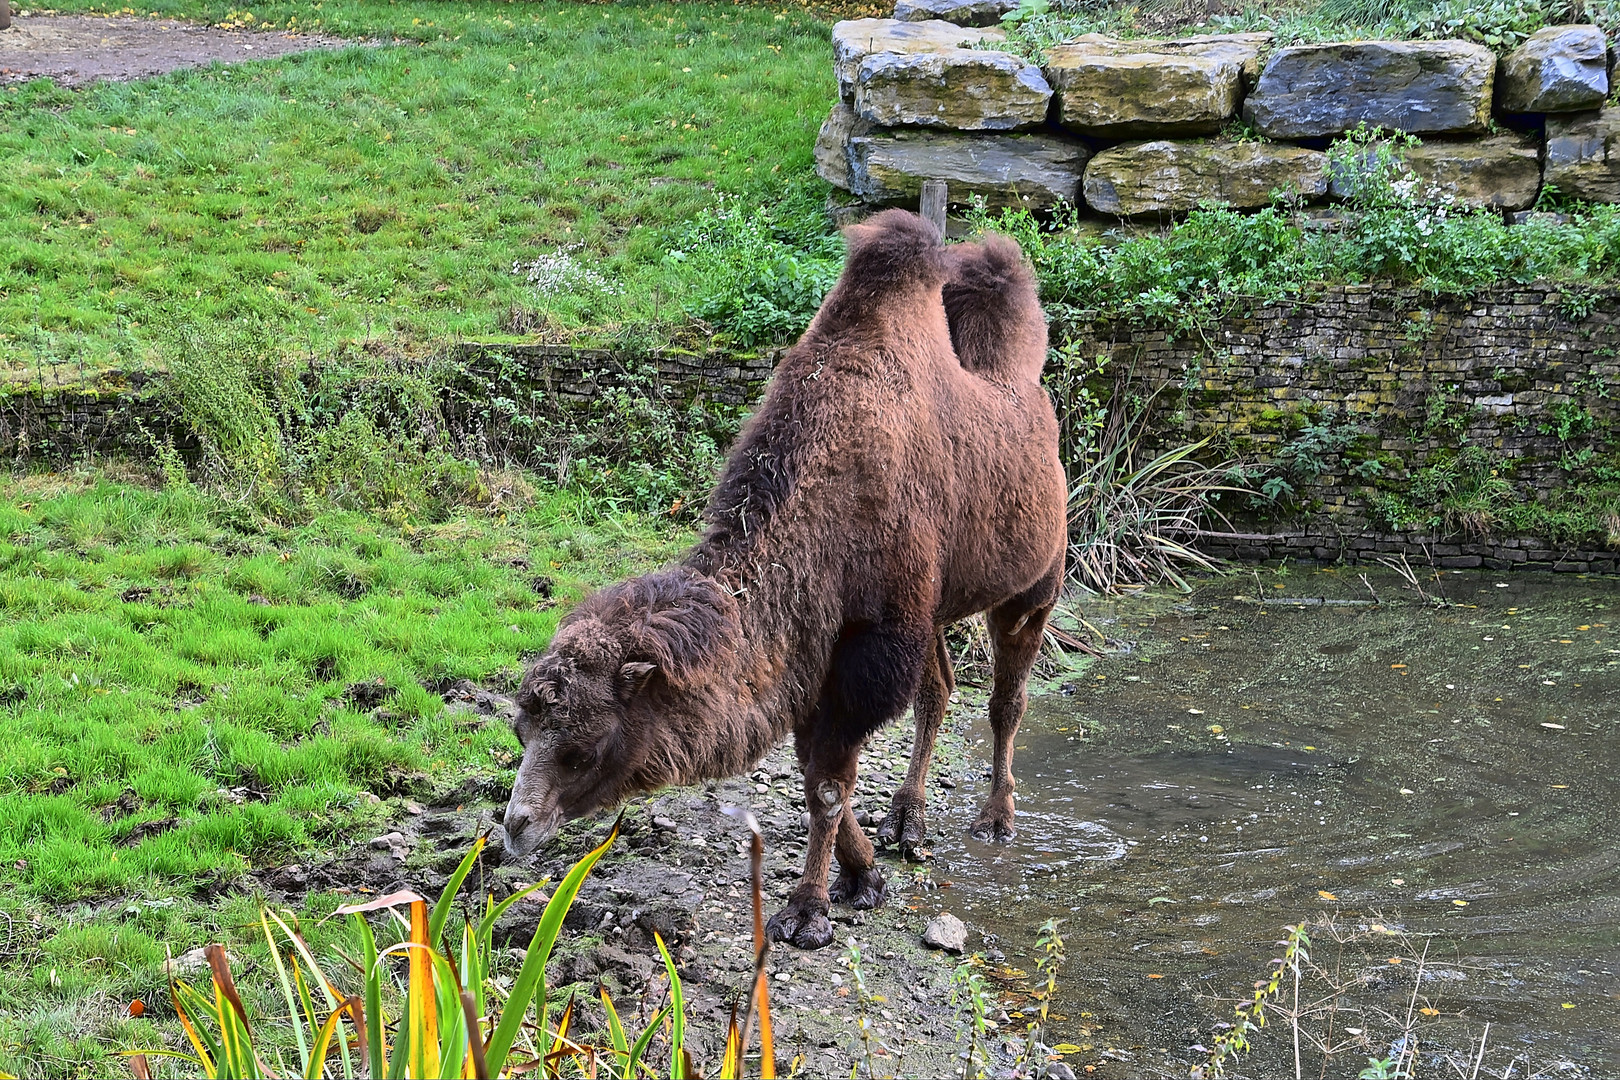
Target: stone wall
1411, 375
574, 376
1131, 128
120, 415
1412, 378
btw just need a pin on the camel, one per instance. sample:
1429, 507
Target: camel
901, 474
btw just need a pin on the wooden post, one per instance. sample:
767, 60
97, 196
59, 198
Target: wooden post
931, 206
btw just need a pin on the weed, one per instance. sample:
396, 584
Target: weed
1251, 1015
1567, 420
970, 996
457, 1019
764, 269
1050, 941
1320, 441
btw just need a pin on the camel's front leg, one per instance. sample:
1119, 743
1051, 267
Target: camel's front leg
829, 780
860, 883
905, 826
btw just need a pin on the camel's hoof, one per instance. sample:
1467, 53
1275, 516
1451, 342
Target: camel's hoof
803, 923
864, 889
905, 827
994, 827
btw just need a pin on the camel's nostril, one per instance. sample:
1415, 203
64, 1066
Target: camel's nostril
515, 821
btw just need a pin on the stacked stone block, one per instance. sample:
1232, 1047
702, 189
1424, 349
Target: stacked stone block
1130, 127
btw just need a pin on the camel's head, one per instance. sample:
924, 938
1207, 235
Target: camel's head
594, 713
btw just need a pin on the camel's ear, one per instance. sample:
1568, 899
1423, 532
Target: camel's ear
633, 677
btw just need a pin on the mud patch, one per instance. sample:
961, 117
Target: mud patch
78, 49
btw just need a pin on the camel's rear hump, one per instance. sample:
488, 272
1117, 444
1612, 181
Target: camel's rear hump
994, 311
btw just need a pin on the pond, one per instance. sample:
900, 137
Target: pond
1428, 780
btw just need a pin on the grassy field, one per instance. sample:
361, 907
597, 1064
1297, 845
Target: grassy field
175, 675
388, 191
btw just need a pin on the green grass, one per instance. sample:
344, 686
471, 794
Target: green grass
162, 643
165, 646
386, 191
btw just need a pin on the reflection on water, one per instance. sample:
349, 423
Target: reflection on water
1262, 757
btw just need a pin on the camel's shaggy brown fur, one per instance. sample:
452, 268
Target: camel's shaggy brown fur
901, 474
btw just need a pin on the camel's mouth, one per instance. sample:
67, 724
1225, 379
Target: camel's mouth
522, 832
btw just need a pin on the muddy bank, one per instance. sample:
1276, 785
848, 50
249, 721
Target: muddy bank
681, 868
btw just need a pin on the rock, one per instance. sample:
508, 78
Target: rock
1583, 154
1162, 176
856, 39
960, 89
664, 823
1559, 69
832, 145
1503, 171
633, 969
1538, 217
1115, 89
572, 968
945, 931
1059, 1071
1308, 91
191, 960
387, 841
1008, 170
960, 12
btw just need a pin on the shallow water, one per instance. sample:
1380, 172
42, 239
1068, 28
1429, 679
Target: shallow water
1258, 757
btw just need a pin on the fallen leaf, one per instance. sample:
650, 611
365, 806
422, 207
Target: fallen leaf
136, 1008
1397, 667
1155, 976
1459, 903
1324, 894
1427, 1011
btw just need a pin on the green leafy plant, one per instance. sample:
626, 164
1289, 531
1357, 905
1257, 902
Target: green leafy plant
455, 1020
970, 996
1250, 1017
763, 268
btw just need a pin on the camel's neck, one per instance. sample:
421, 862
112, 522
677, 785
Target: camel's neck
773, 671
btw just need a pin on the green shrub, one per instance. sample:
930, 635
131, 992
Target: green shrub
762, 270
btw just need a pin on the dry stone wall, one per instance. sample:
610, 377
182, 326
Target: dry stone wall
1526, 374
1504, 366
1131, 127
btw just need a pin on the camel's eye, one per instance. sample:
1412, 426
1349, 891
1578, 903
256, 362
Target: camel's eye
573, 757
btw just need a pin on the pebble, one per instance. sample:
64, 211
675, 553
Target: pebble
667, 824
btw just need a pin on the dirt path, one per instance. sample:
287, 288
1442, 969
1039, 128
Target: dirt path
79, 49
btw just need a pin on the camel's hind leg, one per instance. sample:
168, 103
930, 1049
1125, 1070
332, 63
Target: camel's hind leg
905, 826
1016, 630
